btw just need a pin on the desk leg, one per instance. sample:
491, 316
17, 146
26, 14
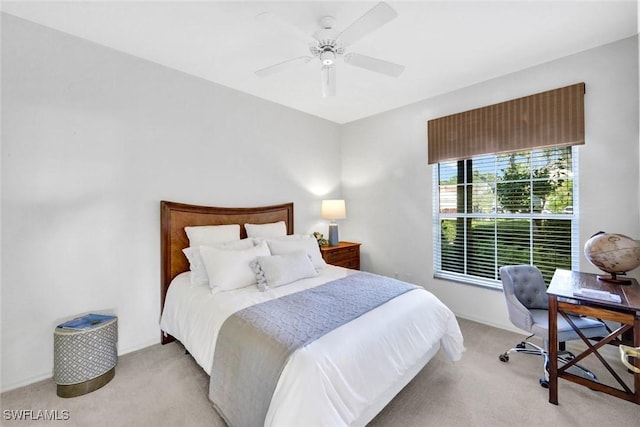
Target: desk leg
636, 343
553, 350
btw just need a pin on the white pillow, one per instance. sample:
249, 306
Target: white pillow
280, 247
231, 269
277, 270
198, 272
257, 240
211, 234
273, 229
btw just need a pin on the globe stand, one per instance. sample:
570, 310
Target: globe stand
613, 278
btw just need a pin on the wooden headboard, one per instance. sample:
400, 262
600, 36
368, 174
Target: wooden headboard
173, 239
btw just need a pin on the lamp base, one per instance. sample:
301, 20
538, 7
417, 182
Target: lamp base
333, 235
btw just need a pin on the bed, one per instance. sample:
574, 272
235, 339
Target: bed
343, 377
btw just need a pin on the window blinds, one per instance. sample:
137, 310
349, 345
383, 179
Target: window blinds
495, 210
549, 119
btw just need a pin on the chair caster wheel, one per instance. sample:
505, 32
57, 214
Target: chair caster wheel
544, 383
504, 357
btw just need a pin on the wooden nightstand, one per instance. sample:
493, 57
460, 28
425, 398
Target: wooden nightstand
345, 254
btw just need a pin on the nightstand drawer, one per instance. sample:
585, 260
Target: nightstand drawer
345, 254
342, 255
353, 264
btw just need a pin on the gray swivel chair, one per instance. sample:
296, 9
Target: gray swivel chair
526, 295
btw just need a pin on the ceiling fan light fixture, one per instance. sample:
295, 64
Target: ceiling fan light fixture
328, 58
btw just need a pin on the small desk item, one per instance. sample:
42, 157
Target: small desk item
85, 354
344, 254
584, 294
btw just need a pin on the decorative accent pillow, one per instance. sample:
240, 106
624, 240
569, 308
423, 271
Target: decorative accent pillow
273, 229
277, 270
198, 272
229, 270
212, 234
281, 247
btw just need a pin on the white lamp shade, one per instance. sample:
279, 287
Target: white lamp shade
333, 209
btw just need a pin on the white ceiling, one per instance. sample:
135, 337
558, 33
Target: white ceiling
444, 45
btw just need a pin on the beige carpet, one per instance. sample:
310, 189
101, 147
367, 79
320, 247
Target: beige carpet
161, 386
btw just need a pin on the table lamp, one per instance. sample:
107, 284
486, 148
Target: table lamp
333, 210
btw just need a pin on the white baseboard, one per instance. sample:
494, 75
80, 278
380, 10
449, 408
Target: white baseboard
27, 381
508, 327
48, 375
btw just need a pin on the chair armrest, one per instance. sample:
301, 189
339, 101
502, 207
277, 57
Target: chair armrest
519, 315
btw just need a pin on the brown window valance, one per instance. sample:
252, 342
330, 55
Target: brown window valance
548, 119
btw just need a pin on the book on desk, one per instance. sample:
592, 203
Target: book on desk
598, 295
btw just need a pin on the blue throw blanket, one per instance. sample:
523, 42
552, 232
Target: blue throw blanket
255, 343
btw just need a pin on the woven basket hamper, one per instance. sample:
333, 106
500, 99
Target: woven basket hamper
85, 359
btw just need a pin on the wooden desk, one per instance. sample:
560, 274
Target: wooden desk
562, 300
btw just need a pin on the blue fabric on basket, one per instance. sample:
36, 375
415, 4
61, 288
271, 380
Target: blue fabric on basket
87, 321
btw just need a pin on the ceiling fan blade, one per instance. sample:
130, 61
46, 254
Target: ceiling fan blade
281, 66
282, 25
328, 81
376, 17
374, 64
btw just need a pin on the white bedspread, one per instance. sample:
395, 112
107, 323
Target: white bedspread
338, 378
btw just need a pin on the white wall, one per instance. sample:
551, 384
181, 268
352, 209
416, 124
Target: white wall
388, 187
92, 140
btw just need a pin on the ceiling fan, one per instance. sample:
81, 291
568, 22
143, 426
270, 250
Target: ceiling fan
328, 44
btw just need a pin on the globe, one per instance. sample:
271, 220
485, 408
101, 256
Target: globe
613, 253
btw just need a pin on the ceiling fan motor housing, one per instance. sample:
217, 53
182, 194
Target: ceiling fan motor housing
327, 50
327, 47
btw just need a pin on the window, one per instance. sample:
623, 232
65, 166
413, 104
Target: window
511, 208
